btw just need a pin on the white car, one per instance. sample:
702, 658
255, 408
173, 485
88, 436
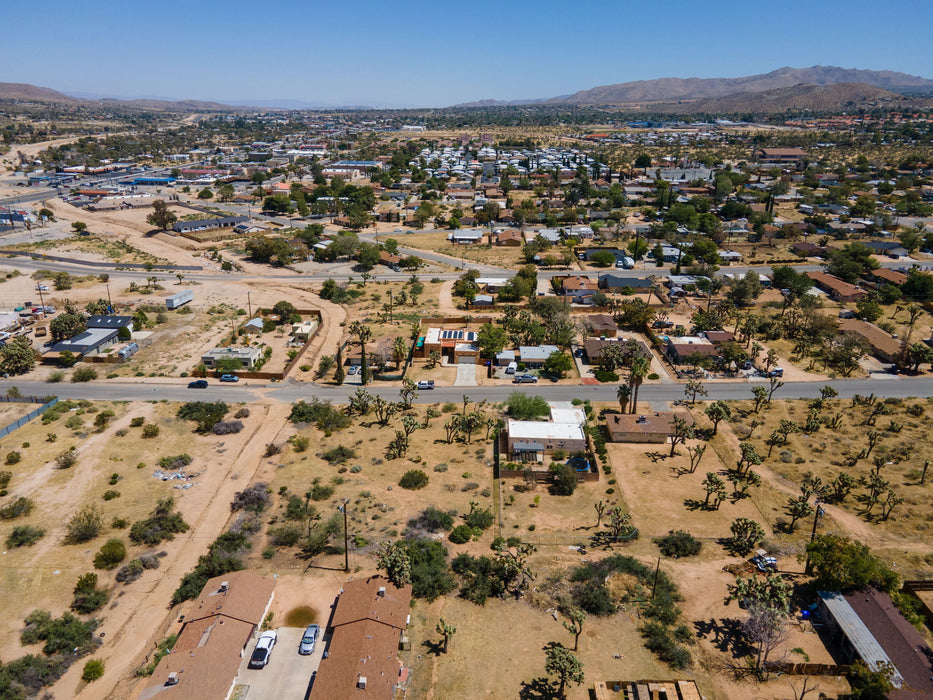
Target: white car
41, 288
263, 650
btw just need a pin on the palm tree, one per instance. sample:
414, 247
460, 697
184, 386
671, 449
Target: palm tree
363, 335
623, 393
640, 368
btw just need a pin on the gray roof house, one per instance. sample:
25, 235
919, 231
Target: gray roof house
89, 342
535, 355
115, 322
619, 281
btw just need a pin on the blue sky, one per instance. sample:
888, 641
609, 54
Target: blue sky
417, 53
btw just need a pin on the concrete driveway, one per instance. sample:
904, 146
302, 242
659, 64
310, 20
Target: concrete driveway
466, 375
287, 676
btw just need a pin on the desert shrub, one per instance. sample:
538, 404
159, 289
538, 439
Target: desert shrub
604, 375
119, 523
150, 430
469, 486
13, 457
479, 518
55, 377
17, 508
321, 492
87, 596
137, 422
83, 374
74, 423
204, 413
66, 459
285, 536
111, 553
296, 509
110, 494
565, 480
430, 576
413, 480
324, 416
254, 498
149, 560
432, 519
356, 469
461, 534
242, 413
300, 443
338, 455
272, 449
174, 462
65, 634
130, 571
678, 543
162, 524
228, 427
5, 479
84, 526
525, 407
223, 556
24, 536
102, 420
660, 640
93, 670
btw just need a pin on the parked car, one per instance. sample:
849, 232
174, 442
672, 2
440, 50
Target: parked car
308, 640
662, 324
764, 563
229, 378
263, 650
525, 378
776, 372
426, 384
41, 288
352, 370
198, 384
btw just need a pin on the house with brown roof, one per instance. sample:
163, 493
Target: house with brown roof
780, 155
578, 287
386, 258
885, 276
205, 660
369, 619
837, 289
603, 325
510, 237
883, 345
680, 351
652, 427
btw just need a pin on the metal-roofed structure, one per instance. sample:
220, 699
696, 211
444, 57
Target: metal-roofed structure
853, 635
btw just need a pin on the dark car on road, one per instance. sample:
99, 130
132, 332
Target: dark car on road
198, 384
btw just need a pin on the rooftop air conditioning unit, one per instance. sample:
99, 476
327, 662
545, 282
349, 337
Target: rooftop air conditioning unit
382, 592
172, 679
225, 586
361, 682
642, 419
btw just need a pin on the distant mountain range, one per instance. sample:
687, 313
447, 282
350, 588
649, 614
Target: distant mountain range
818, 88
737, 92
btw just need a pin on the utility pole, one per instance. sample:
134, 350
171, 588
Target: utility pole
654, 585
109, 300
42, 303
249, 306
346, 536
819, 512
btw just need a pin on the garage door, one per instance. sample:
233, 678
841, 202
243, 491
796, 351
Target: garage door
466, 360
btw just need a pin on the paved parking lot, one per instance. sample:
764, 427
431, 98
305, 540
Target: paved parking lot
287, 676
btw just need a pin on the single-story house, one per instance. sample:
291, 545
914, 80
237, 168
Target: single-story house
549, 234
678, 350
866, 625
113, 322
884, 275
883, 345
216, 631
593, 348
618, 282
492, 284
482, 300
534, 355
302, 331
889, 248
530, 440
652, 427
730, 256
719, 337
253, 326
510, 237
505, 358
578, 287
603, 325
87, 343
367, 628
837, 289
457, 345
386, 258
780, 155
208, 224
246, 356
466, 236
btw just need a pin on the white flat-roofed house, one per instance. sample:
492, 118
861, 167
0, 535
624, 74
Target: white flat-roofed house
534, 439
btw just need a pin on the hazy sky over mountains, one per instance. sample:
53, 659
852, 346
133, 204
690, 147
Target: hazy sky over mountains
417, 53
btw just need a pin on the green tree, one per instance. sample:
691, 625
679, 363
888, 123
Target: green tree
557, 364
575, 625
17, 356
564, 664
395, 561
446, 631
368, 256
161, 217
363, 335
67, 324
746, 534
717, 412
206, 193
638, 371
78, 226
842, 564
871, 685
491, 340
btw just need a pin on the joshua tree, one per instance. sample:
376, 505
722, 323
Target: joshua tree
446, 631
575, 625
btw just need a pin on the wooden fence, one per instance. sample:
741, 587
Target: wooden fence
791, 669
